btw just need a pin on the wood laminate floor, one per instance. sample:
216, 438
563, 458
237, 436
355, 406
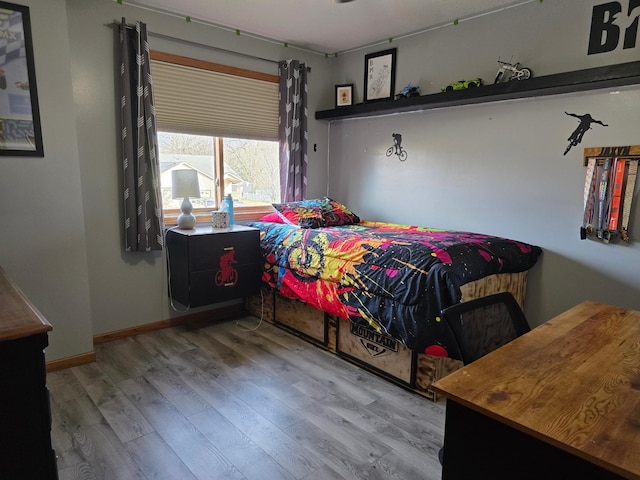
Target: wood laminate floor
220, 402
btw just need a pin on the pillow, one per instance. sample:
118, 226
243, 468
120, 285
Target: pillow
272, 218
305, 214
319, 212
334, 213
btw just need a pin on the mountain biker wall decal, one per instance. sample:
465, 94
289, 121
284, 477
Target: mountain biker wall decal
397, 147
585, 124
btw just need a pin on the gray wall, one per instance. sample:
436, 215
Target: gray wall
494, 168
117, 299
497, 168
62, 239
43, 247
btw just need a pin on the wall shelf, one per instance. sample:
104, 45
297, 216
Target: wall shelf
580, 80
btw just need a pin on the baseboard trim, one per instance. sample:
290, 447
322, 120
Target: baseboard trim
69, 362
220, 313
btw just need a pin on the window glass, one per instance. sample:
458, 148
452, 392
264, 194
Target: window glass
190, 152
249, 170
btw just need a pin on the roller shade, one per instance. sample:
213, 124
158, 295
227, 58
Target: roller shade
197, 101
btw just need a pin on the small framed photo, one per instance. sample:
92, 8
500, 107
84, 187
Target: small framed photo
379, 75
344, 95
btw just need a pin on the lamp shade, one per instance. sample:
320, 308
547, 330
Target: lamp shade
184, 183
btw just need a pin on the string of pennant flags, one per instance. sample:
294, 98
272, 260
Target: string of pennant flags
238, 32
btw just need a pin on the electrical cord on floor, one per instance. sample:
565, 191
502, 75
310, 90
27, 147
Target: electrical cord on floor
166, 250
243, 327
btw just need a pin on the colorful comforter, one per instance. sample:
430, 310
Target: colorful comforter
396, 278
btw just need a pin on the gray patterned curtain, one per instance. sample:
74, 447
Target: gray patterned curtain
292, 131
142, 204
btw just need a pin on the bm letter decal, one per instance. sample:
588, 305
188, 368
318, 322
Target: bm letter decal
609, 22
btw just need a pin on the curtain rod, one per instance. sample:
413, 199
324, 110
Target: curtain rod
202, 45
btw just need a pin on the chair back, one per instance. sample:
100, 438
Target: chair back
482, 325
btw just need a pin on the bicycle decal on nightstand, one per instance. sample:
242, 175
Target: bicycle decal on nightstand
227, 275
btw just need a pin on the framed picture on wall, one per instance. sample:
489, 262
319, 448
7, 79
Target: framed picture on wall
379, 75
344, 95
20, 133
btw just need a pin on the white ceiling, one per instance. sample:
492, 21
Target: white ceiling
328, 26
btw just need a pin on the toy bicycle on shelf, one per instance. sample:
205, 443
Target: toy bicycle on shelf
511, 71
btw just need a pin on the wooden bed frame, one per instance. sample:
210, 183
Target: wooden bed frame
363, 346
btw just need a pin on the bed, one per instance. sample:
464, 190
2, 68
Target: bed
372, 292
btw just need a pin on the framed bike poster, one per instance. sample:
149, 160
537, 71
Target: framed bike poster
379, 75
20, 133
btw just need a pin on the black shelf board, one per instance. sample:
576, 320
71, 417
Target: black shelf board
581, 80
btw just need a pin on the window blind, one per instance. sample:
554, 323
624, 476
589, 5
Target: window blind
201, 101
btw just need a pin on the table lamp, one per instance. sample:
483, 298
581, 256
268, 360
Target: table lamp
184, 184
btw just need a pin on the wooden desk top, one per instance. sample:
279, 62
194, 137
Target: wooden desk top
18, 318
573, 382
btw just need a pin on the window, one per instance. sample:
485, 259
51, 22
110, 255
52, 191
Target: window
249, 169
223, 123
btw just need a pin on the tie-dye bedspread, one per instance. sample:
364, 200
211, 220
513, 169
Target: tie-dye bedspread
395, 277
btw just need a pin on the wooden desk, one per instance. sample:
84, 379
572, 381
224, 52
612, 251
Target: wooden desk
25, 418
561, 402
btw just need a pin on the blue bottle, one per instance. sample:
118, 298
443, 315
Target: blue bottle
227, 206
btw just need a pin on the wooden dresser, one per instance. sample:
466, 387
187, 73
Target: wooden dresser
25, 416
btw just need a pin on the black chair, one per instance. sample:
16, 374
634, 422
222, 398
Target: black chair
482, 325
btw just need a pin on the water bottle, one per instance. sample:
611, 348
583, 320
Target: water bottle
227, 206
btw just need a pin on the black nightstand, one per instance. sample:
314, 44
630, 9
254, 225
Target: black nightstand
208, 265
